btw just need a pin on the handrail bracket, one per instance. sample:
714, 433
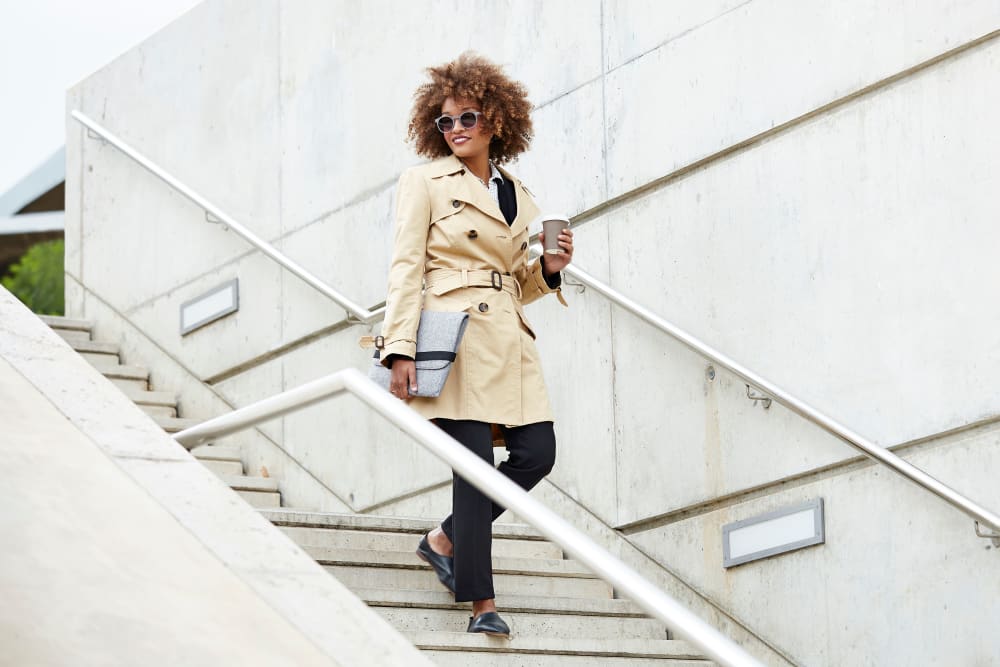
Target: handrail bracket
209, 217
991, 534
94, 135
755, 396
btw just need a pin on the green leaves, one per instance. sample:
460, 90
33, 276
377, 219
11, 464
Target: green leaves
37, 279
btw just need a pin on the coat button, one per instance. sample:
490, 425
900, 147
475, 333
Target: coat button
472, 234
455, 203
524, 245
483, 307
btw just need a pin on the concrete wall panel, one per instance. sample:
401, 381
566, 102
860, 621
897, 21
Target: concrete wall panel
346, 93
633, 28
837, 228
576, 351
852, 601
683, 101
565, 167
350, 251
200, 98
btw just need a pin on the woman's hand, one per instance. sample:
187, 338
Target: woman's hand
404, 379
555, 263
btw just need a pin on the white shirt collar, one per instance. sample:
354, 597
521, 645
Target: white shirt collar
495, 173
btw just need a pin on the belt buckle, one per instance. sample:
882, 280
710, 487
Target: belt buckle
496, 280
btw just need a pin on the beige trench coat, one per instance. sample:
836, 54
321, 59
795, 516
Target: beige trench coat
446, 219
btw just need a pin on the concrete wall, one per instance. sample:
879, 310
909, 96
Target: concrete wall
806, 186
108, 559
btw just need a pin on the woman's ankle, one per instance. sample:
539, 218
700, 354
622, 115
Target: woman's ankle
440, 543
483, 607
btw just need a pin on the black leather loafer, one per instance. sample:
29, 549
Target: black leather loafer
443, 566
490, 623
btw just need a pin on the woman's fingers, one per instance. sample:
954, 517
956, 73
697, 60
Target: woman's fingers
412, 378
404, 376
558, 262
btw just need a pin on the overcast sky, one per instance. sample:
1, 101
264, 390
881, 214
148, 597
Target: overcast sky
48, 45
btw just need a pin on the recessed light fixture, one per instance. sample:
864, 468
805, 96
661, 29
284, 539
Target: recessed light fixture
210, 306
782, 530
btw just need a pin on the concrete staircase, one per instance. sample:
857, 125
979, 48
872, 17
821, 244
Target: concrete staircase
259, 491
560, 614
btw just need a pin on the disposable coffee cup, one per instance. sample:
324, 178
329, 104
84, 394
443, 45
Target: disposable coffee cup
551, 226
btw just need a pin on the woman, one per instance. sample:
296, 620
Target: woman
462, 235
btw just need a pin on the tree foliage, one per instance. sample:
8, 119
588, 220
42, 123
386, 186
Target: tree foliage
37, 278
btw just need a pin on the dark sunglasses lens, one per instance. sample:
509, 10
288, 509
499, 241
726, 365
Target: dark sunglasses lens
468, 120
445, 124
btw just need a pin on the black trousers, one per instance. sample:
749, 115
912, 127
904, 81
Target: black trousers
532, 450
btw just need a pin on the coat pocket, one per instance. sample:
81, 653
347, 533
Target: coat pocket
523, 319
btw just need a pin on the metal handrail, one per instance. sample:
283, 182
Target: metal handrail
495, 485
359, 312
880, 454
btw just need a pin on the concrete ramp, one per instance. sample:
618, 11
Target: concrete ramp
121, 549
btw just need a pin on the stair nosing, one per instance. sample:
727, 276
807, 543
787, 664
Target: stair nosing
205, 453
59, 322
433, 640
524, 604
361, 522
405, 560
125, 372
246, 483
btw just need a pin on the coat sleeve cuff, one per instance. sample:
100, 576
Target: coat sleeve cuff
406, 348
543, 286
538, 278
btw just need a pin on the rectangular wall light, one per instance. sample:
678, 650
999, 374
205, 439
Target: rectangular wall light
786, 529
210, 306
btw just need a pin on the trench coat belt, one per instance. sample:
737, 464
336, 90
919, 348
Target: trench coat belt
441, 281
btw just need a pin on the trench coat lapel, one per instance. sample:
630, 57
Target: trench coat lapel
467, 188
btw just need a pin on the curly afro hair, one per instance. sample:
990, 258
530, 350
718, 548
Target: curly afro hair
503, 101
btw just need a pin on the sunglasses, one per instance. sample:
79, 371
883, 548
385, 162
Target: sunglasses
468, 120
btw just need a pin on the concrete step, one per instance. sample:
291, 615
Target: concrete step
261, 499
126, 372
396, 541
357, 577
458, 659
216, 453
161, 398
293, 517
408, 559
102, 360
127, 378
154, 403
455, 648
223, 468
72, 336
95, 347
158, 411
440, 598
365, 570
67, 323
565, 626
175, 424
249, 483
